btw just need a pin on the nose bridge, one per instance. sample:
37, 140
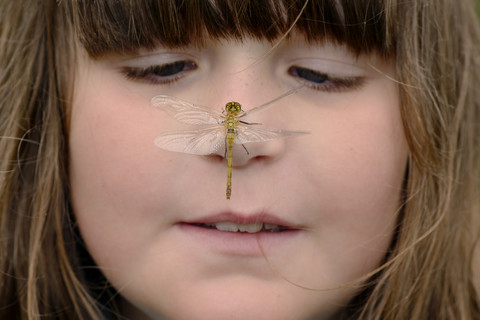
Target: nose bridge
240, 81
246, 141
238, 78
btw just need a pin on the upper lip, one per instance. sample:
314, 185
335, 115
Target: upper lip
242, 219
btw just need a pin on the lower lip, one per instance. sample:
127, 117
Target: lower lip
239, 243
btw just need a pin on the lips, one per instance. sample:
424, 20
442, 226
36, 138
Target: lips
237, 235
250, 228
230, 222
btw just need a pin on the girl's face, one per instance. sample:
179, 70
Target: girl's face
149, 217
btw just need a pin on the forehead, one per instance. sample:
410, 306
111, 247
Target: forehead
124, 26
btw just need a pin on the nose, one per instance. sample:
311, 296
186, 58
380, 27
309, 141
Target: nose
243, 154
247, 141
236, 152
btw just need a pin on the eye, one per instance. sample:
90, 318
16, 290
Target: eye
160, 74
309, 75
324, 82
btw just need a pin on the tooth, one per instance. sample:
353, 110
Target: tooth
269, 226
227, 226
233, 227
251, 228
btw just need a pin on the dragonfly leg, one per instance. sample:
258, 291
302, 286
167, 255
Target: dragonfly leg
245, 148
250, 123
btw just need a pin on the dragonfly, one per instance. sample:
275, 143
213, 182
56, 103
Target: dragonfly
219, 129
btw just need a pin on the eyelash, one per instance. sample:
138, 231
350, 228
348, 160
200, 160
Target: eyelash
323, 82
159, 74
171, 72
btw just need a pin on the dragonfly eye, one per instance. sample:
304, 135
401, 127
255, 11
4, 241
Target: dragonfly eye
233, 107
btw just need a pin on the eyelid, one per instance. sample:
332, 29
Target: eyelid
147, 67
335, 68
159, 74
326, 74
157, 58
321, 81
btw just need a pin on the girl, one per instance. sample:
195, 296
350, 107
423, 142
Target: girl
372, 215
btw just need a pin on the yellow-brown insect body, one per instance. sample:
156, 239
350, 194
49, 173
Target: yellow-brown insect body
232, 110
224, 128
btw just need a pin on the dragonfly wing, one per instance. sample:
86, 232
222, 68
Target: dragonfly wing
201, 142
246, 134
186, 112
270, 103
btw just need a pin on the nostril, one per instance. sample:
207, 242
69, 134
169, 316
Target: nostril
215, 157
260, 158
249, 153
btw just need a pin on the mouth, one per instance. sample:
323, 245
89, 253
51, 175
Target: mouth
243, 235
229, 226
231, 222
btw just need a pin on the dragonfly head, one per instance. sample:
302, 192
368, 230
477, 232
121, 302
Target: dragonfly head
233, 108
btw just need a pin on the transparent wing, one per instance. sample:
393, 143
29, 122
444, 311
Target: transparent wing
246, 134
270, 103
202, 142
186, 112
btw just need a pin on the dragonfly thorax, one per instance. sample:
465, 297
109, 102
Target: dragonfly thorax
233, 108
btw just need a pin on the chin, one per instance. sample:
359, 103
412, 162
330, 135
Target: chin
245, 299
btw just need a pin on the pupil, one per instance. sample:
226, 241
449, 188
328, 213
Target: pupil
310, 75
170, 69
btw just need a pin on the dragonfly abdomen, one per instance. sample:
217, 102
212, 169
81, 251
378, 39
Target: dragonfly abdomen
230, 138
230, 126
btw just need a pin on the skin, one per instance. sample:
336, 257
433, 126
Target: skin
340, 184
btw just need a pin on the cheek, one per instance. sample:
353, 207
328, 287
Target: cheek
355, 168
359, 148
367, 160
107, 143
115, 168
375, 150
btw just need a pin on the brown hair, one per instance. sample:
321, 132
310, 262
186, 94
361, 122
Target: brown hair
428, 273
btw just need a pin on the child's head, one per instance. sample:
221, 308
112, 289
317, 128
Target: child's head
371, 213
